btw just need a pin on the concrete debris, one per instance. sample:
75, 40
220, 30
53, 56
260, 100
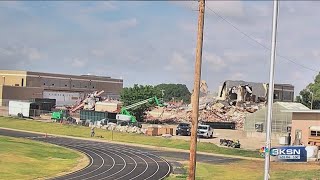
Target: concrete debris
211, 110
128, 129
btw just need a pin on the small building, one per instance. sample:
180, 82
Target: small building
259, 91
255, 123
305, 127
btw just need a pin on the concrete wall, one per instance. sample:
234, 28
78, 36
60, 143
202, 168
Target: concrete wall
13, 78
86, 84
19, 93
303, 121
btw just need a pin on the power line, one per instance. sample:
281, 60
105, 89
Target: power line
262, 45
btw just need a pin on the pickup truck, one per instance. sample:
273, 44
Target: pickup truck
183, 129
205, 131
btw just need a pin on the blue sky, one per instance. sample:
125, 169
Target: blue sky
154, 42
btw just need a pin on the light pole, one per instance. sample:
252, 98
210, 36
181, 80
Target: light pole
311, 99
271, 89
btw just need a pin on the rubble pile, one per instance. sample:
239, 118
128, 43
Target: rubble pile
128, 129
212, 110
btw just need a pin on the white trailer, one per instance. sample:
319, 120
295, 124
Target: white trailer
23, 109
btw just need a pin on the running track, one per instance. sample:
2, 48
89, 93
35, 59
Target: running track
118, 162
107, 161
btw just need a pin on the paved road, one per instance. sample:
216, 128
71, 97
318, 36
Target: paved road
113, 161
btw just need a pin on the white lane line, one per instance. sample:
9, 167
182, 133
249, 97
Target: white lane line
169, 166
119, 149
143, 154
89, 171
135, 166
88, 166
162, 160
95, 148
112, 166
129, 150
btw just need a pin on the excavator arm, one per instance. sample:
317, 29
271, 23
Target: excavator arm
124, 110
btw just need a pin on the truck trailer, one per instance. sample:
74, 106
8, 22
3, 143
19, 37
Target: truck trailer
23, 109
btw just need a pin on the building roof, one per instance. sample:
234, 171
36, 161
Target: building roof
56, 75
293, 106
302, 111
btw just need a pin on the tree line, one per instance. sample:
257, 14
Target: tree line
137, 93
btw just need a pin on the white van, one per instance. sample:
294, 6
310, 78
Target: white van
205, 131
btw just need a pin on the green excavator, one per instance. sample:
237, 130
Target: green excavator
125, 115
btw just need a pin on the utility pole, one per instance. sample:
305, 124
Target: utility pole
271, 89
196, 92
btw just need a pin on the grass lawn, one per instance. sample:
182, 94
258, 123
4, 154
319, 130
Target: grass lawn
27, 159
80, 131
253, 170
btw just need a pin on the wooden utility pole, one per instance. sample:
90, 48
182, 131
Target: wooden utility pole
195, 94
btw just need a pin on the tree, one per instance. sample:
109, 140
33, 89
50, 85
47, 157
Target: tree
305, 96
176, 91
138, 93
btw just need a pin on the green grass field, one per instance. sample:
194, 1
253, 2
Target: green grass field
80, 131
26, 159
253, 170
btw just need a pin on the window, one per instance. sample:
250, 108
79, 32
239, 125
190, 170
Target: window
287, 95
315, 133
65, 85
44, 84
52, 84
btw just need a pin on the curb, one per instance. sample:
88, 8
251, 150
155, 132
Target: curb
140, 145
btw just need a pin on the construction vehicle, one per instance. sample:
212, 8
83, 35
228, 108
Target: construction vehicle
89, 102
125, 115
60, 115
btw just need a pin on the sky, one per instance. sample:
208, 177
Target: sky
154, 42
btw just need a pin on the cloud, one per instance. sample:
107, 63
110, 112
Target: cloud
26, 53
99, 7
78, 63
181, 66
297, 75
214, 61
178, 63
226, 8
237, 76
123, 24
115, 39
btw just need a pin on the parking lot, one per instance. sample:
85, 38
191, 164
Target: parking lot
251, 143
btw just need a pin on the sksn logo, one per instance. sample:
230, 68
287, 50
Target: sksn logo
278, 152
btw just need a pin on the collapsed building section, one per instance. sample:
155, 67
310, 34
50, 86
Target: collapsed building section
240, 91
234, 101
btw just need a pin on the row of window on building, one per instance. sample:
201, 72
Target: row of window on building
54, 85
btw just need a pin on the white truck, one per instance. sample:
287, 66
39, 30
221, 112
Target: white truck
205, 131
23, 109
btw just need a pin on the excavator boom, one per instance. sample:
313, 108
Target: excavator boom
124, 110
